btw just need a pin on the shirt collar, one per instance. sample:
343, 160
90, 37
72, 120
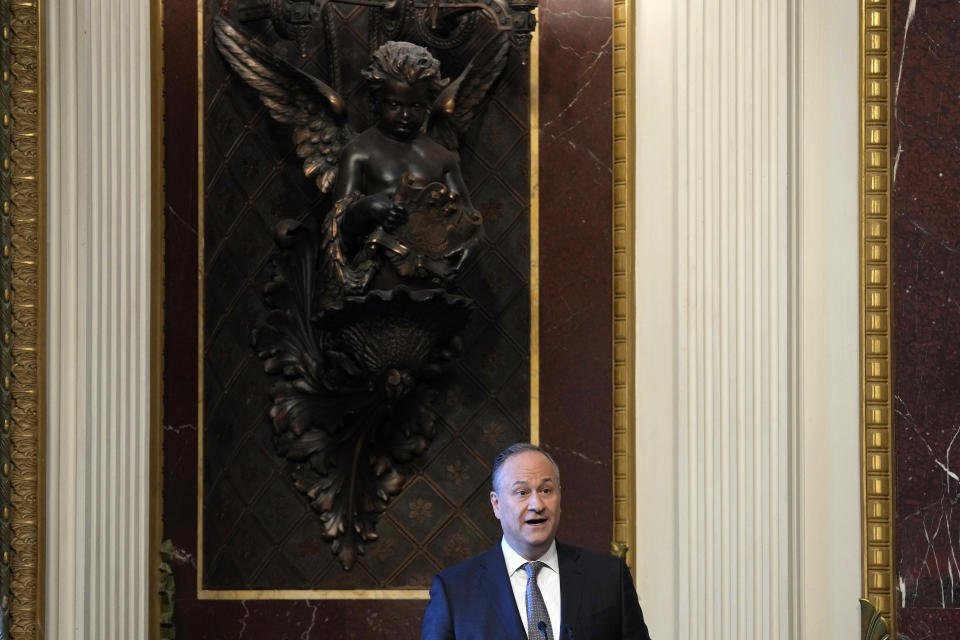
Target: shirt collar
515, 561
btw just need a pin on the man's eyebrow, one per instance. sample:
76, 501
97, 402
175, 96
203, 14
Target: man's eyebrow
524, 483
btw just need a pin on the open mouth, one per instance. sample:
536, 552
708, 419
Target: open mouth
536, 521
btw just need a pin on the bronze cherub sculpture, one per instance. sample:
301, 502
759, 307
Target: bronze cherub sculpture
362, 316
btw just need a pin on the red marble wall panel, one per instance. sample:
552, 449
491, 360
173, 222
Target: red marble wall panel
576, 321
576, 294
925, 70
180, 279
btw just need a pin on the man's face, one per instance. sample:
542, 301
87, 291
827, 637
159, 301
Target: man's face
527, 503
403, 108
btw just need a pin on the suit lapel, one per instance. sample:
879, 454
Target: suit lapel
571, 588
505, 605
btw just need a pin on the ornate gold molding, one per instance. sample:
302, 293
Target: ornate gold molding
534, 116
624, 318
21, 115
875, 306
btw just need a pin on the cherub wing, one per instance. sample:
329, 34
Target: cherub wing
458, 104
316, 111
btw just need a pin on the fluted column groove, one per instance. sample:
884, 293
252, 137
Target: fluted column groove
98, 295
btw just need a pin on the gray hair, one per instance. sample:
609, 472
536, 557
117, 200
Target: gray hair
515, 449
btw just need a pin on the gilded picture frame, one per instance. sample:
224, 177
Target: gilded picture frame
207, 587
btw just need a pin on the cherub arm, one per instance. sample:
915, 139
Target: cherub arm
362, 216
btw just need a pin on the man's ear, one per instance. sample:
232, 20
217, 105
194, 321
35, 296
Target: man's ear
495, 503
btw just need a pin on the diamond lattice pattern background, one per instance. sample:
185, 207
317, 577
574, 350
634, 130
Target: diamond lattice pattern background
258, 531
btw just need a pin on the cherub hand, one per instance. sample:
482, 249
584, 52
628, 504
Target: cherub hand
392, 217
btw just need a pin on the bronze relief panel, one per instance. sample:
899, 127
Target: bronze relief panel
365, 337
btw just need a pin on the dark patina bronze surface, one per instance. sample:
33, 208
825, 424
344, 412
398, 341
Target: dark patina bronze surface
363, 308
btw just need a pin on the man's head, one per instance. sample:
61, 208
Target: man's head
526, 498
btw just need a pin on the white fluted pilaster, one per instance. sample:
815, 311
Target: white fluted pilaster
747, 378
98, 293
735, 216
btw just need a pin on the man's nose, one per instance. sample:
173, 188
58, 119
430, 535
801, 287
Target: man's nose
534, 504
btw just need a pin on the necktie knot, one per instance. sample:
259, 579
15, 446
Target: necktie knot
532, 569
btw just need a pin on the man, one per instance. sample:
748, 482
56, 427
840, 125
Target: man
531, 586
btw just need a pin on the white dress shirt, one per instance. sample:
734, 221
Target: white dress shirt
548, 580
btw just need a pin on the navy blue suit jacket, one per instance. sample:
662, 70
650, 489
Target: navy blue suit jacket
474, 600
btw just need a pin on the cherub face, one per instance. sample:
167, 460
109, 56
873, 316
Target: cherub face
403, 108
